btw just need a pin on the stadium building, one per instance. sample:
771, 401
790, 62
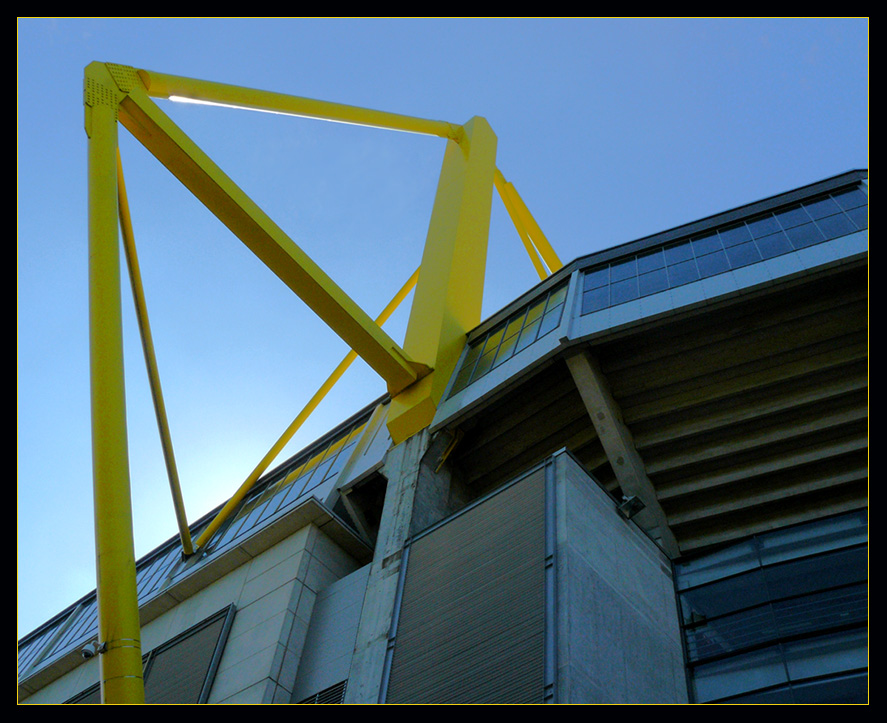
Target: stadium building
646, 482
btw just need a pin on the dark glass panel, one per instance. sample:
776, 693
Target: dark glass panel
851, 688
558, 296
321, 474
270, 508
793, 217
735, 235
707, 245
739, 674
550, 321
484, 364
505, 349
773, 245
682, 273
764, 226
527, 336
493, 340
651, 283
731, 633
743, 255
854, 198
835, 226
227, 535
623, 291
268, 505
803, 236
819, 611
840, 652
597, 278
259, 508
774, 696
514, 326
842, 689
712, 264
144, 574
595, 300
294, 489
841, 567
462, 379
836, 533
623, 270
741, 557
678, 253
822, 207
859, 216
339, 462
472, 354
724, 596
82, 620
651, 261
534, 312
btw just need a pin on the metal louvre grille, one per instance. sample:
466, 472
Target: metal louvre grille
333, 694
181, 670
471, 626
177, 674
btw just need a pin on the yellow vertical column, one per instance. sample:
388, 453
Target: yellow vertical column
119, 633
449, 293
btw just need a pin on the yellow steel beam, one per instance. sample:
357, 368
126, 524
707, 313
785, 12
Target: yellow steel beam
141, 307
294, 426
502, 187
161, 85
265, 239
539, 239
119, 632
449, 294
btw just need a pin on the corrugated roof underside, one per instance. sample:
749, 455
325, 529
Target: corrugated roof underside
748, 415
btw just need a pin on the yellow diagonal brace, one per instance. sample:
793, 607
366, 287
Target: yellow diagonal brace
502, 187
287, 435
161, 85
539, 240
138, 295
263, 237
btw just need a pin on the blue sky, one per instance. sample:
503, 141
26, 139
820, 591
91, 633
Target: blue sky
609, 129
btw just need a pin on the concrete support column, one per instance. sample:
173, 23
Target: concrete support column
402, 466
419, 494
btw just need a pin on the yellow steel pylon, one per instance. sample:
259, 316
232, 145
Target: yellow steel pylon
446, 305
119, 633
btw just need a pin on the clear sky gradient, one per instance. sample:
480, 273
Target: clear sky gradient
609, 129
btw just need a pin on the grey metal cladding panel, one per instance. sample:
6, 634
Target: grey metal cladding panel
471, 625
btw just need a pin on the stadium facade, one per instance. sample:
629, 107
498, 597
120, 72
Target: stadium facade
647, 482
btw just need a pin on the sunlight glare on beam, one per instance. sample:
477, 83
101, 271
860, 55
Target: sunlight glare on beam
199, 101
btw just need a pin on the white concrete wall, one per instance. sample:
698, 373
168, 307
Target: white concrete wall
329, 646
68, 685
618, 634
274, 594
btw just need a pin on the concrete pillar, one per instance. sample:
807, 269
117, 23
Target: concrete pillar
417, 496
401, 468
